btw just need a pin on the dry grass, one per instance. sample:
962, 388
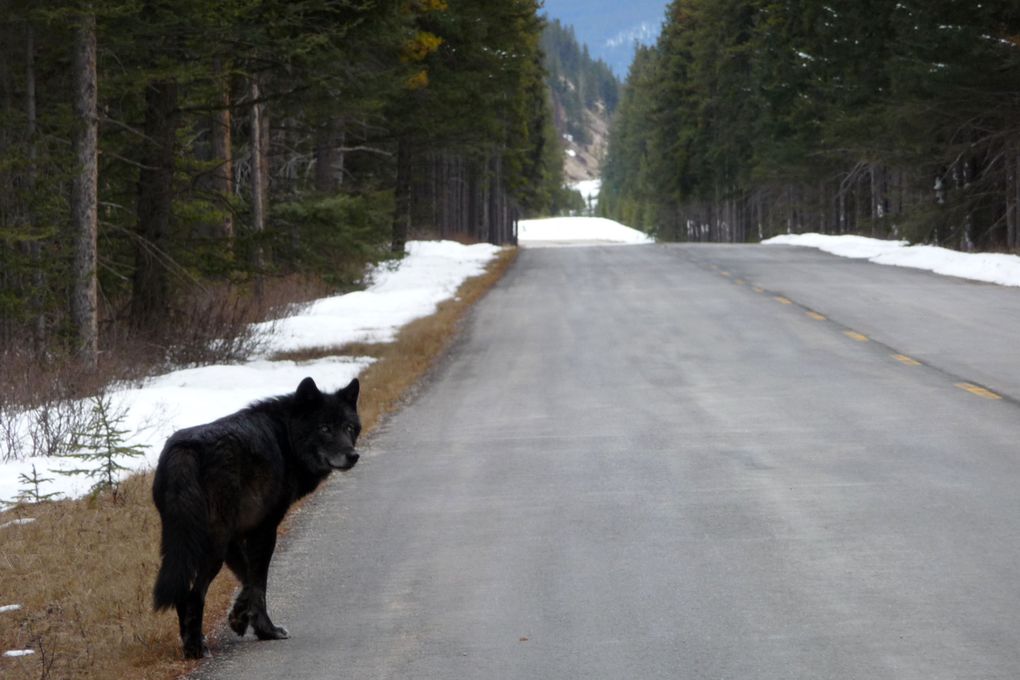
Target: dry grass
83, 570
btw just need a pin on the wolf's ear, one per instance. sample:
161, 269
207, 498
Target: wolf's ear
350, 393
308, 393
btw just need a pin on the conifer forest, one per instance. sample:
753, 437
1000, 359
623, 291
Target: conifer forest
162, 159
889, 118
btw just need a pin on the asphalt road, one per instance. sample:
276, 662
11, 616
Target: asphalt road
679, 462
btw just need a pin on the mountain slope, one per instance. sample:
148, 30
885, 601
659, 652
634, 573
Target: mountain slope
585, 94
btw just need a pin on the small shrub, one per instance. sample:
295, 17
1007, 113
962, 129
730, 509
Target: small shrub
100, 447
31, 490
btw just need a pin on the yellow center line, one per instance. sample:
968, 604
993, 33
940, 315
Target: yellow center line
758, 290
780, 299
904, 359
739, 282
854, 335
725, 273
816, 316
979, 391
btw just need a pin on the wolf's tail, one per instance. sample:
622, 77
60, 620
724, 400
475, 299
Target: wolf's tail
177, 492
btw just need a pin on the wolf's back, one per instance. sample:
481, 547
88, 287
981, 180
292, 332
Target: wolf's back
178, 494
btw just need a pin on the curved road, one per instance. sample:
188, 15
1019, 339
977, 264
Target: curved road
645, 462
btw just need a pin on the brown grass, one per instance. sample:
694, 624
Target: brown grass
83, 570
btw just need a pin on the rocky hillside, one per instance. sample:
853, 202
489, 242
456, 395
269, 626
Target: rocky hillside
585, 94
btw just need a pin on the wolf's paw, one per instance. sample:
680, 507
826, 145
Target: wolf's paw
272, 633
196, 650
239, 622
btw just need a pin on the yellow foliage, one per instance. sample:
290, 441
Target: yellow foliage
421, 45
423, 6
418, 81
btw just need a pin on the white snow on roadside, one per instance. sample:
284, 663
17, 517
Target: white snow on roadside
844, 246
9, 608
19, 652
987, 267
589, 190
431, 273
412, 288
15, 523
572, 231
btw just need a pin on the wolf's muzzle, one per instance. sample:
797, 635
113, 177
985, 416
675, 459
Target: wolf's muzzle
347, 461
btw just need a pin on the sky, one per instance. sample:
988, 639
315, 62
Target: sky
610, 27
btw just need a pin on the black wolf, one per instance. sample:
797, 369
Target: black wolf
222, 489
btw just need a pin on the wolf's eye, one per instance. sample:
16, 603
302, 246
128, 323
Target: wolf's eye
324, 429
350, 429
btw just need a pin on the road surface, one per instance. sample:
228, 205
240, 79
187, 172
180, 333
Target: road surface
746, 462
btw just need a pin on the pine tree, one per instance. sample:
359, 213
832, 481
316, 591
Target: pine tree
102, 447
31, 490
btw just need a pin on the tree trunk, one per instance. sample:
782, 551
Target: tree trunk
324, 158
1015, 242
258, 183
150, 298
495, 216
34, 248
402, 198
84, 194
222, 148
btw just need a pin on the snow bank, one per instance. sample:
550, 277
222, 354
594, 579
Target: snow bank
577, 231
430, 273
589, 189
988, 267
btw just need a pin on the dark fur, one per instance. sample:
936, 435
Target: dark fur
222, 489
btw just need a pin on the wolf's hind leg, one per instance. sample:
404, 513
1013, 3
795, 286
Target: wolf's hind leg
240, 613
192, 609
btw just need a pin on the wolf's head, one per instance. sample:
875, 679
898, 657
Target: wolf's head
325, 427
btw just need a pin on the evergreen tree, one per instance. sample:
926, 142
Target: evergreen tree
216, 124
101, 448
879, 117
31, 490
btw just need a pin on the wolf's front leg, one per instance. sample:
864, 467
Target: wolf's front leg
265, 629
259, 548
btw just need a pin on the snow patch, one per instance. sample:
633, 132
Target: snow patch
9, 608
410, 289
995, 268
19, 652
15, 523
431, 273
578, 231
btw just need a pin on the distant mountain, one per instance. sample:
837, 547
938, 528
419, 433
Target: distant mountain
611, 27
585, 93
